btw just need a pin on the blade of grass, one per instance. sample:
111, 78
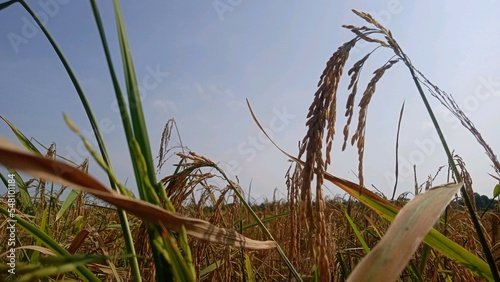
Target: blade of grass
434, 239
343, 266
396, 172
44, 229
24, 198
356, 231
135, 105
100, 141
118, 93
391, 255
74, 80
205, 271
21, 137
67, 203
249, 275
142, 137
424, 258
265, 220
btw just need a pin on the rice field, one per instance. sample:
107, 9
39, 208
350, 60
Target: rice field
58, 223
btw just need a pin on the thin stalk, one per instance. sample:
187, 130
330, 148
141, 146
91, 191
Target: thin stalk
259, 222
100, 141
475, 221
74, 80
124, 117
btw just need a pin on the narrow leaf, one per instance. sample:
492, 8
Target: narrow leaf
390, 256
67, 203
358, 234
21, 137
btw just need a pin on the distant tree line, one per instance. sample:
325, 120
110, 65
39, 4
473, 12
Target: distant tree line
482, 202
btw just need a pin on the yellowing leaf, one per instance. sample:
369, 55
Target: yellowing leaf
390, 256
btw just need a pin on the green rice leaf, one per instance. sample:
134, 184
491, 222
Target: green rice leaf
21, 137
358, 234
67, 203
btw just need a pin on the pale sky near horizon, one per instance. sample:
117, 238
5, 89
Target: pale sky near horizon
197, 62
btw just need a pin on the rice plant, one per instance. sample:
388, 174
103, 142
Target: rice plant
171, 233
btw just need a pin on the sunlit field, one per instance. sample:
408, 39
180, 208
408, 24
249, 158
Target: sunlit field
59, 223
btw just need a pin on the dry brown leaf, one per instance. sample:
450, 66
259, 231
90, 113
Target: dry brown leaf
13, 157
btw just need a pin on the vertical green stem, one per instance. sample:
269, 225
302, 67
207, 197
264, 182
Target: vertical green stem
100, 140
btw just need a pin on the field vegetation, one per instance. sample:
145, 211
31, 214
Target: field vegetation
181, 227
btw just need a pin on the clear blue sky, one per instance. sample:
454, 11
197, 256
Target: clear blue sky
197, 62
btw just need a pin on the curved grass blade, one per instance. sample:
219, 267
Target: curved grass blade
390, 256
21, 137
7, 4
358, 234
93, 122
67, 203
434, 239
468, 202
